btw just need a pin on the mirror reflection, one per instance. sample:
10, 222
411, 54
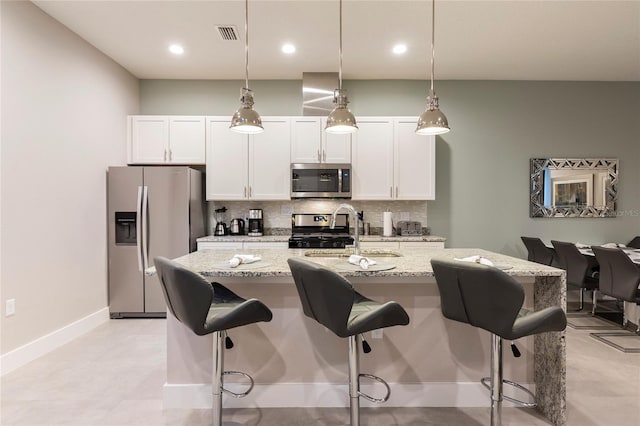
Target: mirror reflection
573, 187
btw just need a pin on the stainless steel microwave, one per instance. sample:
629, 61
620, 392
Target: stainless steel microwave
320, 180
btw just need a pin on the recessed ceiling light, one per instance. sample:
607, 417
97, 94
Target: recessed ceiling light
288, 48
176, 49
399, 49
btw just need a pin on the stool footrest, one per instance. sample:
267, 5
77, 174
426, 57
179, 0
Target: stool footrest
377, 379
240, 394
486, 382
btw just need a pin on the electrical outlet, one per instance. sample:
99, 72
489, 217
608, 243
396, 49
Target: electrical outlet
10, 308
376, 334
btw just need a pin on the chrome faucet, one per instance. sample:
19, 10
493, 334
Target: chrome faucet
356, 240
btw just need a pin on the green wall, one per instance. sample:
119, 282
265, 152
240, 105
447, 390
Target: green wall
483, 163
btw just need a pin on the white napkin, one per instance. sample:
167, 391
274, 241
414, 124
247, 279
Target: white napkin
613, 245
243, 258
582, 246
363, 262
477, 259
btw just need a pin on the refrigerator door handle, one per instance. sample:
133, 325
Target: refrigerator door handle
145, 226
139, 229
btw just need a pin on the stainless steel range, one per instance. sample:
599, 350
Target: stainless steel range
310, 230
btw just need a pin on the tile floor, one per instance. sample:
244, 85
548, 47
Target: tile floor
114, 376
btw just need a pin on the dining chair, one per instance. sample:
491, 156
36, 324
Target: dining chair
635, 243
538, 252
581, 274
619, 277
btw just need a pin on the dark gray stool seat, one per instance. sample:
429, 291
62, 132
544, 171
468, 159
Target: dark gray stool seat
209, 308
488, 298
331, 300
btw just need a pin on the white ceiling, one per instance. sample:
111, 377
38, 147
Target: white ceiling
495, 40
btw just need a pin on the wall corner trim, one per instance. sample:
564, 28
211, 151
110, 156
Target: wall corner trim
26, 353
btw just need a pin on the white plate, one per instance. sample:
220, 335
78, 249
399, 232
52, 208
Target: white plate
242, 266
346, 266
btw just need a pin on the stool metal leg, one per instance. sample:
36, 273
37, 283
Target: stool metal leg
218, 369
354, 380
496, 380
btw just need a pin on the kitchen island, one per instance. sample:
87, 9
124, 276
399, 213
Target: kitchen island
431, 362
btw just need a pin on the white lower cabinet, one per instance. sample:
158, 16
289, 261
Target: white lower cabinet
400, 244
240, 245
248, 167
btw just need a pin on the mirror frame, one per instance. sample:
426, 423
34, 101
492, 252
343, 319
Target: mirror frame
536, 198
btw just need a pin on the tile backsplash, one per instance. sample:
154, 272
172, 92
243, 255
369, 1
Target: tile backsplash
277, 214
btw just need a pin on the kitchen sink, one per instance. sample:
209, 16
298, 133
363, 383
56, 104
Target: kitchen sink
349, 252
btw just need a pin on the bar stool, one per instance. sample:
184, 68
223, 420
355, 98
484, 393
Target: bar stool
487, 298
209, 308
331, 300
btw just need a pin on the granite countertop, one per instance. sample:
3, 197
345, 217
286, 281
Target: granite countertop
285, 238
412, 263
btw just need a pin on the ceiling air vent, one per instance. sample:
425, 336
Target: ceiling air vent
227, 32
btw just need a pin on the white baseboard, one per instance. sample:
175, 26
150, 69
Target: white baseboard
198, 396
45, 344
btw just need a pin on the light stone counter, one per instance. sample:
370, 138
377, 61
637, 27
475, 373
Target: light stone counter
431, 362
285, 238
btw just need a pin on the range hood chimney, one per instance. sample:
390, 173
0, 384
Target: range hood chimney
317, 92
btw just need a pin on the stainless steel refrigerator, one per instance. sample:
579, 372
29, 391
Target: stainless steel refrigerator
152, 211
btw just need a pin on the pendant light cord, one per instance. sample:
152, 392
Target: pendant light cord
340, 51
433, 36
246, 44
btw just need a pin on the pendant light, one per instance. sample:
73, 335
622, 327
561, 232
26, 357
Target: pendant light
340, 120
432, 121
245, 119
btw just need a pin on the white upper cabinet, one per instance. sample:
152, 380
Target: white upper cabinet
391, 162
166, 140
242, 167
311, 144
414, 162
372, 159
227, 166
269, 160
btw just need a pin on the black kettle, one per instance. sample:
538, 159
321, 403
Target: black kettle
236, 227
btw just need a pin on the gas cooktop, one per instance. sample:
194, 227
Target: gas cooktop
310, 230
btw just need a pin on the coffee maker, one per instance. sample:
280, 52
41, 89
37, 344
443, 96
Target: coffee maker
256, 223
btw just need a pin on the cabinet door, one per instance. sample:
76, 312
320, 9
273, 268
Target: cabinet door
149, 139
269, 160
306, 140
414, 168
372, 159
227, 157
186, 140
335, 148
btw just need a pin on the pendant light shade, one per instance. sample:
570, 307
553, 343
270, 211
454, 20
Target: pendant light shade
432, 121
246, 119
340, 120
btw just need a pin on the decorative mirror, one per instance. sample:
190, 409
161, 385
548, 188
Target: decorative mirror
573, 187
